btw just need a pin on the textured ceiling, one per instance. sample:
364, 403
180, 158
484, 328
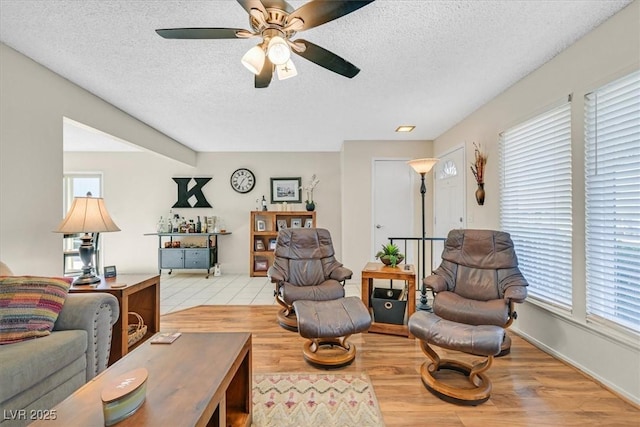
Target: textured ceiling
426, 63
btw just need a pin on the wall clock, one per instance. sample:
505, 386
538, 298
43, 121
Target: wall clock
243, 180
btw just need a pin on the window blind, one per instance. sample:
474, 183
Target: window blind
535, 205
612, 167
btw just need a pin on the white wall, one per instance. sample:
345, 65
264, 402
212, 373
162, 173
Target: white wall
34, 100
610, 51
357, 161
138, 189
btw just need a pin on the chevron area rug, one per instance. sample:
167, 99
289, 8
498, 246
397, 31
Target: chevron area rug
308, 400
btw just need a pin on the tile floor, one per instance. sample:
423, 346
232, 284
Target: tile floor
182, 290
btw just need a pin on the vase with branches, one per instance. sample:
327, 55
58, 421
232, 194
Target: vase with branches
477, 167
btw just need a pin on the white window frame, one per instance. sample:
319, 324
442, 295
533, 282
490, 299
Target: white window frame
612, 204
536, 202
72, 264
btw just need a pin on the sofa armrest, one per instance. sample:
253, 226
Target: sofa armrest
95, 313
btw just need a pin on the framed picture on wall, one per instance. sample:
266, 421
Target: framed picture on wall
286, 190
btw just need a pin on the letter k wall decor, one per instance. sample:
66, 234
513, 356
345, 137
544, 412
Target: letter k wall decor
184, 193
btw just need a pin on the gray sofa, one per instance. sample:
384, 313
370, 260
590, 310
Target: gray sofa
40, 373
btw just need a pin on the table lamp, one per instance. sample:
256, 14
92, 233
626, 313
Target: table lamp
87, 215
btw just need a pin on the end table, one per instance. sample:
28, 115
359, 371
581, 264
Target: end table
139, 293
377, 270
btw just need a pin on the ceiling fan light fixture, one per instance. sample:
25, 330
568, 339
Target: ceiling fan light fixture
254, 59
286, 70
278, 51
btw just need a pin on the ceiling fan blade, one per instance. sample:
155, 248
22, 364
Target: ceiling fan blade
202, 33
326, 59
318, 12
264, 78
253, 4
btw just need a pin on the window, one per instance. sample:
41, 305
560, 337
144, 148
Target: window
76, 185
536, 201
612, 148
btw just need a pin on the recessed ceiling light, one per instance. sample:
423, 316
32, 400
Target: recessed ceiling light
405, 128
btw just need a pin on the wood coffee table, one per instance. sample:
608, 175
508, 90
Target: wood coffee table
202, 379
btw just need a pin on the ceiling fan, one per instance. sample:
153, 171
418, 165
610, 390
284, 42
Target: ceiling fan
276, 22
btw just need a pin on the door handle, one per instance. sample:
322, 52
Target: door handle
378, 226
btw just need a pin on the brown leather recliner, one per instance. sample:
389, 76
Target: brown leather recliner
478, 281
305, 268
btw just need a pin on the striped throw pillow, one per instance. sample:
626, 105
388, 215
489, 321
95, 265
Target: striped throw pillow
29, 306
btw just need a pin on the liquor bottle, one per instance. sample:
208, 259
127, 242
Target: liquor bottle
160, 225
169, 226
198, 225
204, 224
264, 204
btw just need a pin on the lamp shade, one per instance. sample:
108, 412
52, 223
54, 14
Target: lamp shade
286, 70
87, 215
254, 59
278, 50
422, 165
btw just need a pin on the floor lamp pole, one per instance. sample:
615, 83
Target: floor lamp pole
423, 291
423, 166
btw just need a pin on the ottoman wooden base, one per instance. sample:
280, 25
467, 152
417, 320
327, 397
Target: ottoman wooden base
289, 322
328, 325
338, 354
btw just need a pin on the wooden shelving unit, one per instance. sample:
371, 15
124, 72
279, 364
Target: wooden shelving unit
264, 229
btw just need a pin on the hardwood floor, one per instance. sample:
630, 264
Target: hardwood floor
530, 388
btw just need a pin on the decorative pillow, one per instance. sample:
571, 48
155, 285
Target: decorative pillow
29, 306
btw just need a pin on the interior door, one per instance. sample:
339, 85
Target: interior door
449, 209
392, 204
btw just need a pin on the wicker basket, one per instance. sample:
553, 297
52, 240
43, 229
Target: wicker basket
136, 330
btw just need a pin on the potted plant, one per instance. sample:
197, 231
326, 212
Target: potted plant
390, 255
309, 203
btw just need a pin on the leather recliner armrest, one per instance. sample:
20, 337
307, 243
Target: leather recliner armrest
341, 274
435, 282
515, 293
275, 275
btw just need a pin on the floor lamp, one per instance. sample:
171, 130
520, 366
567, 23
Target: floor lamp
423, 166
87, 215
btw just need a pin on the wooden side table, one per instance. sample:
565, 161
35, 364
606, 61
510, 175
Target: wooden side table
376, 270
140, 293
